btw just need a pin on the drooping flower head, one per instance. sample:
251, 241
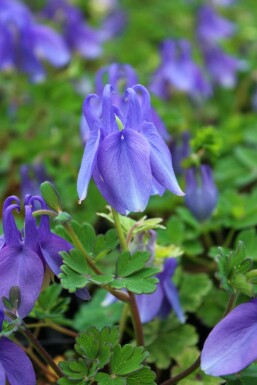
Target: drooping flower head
26, 255
23, 42
211, 27
31, 178
178, 71
201, 192
15, 366
180, 150
125, 154
232, 344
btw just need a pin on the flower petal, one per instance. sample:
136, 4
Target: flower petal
2, 374
108, 117
133, 118
20, 266
172, 296
88, 163
124, 164
17, 366
160, 159
232, 344
12, 235
149, 304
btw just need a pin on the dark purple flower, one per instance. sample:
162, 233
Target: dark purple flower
221, 67
25, 255
232, 344
23, 42
211, 27
125, 154
162, 301
178, 71
15, 366
179, 151
120, 77
201, 192
31, 178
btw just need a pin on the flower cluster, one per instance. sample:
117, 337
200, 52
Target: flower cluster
125, 154
24, 42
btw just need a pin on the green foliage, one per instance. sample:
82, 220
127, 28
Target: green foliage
233, 267
97, 349
132, 274
51, 305
207, 143
171, 336
94, 313
51, 196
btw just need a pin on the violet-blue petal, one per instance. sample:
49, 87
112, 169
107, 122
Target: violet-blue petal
108, 117
51, 246
12, 235
146, 112
83, 294
88, 163
171, 294
124, 164
1, 320
162, 130
20, 266
160, 158
149, 304
232, 344
30, 230
91, 110
17, 366
2, 374
6, 48
49, 45
133, 118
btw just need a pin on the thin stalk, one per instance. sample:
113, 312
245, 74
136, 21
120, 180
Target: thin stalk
39, 348
62, 329
123, 320
230, 305
138, 329
50, 213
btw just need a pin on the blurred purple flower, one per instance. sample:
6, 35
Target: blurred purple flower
221, 67
201, 192
25, 255
23, 42
211, 27
223, 3
231, 345
31, 178
125, 154
178, 71
15, 366
79, 36
162, 301
179, 151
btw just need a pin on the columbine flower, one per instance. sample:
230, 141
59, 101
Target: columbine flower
79, 36
125, 154
179, 151
123, 74
23, 42
31, 178
221, 67
231, 345
162, 301
25, 255
178, 71
201, 192
15, 366
211, 27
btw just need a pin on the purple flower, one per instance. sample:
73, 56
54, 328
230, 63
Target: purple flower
23, 42
125, 154
211, 27
117, 74
178, 71
231, 345
15, 366
79, 36
25, 255
162, 301
179, 151
201, 192
223, 3
31, 178
221, 67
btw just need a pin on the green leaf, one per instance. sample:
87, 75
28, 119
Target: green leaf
106, 379
165, 339
192, 290
249, 237
245, 377
127, 359
128, 264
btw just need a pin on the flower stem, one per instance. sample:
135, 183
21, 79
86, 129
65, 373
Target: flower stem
39, 348
138, 329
